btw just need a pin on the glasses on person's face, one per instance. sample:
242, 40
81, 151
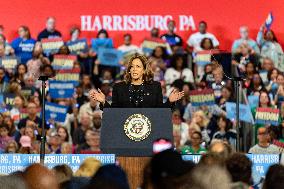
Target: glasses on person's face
263, 133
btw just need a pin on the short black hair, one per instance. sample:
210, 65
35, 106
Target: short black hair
198, 133
240, 168
102, 31
203, 22
127, 35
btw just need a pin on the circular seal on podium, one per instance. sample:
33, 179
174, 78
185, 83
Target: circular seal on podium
137, 127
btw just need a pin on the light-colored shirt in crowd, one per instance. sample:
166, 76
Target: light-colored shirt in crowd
272, 50
195, 39
250, 43
271, 149
172, 74
183, 130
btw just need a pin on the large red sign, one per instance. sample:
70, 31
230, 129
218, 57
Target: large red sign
137, 17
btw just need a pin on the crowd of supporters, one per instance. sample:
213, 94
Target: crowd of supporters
220, 168
260, 62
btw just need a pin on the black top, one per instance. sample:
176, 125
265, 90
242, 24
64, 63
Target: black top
147, 95
47, 34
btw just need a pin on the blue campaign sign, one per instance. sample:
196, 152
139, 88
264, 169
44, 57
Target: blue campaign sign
61, 89
253, 101
77, 46
101, 43
260, 164
245, 112
55, 112
10, 163
109, 57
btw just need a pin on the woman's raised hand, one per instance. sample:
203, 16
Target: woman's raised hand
176, 95
97, 95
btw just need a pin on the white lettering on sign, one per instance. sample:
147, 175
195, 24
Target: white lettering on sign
55, 109
134, 22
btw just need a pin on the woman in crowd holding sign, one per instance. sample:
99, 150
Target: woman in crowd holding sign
138, 88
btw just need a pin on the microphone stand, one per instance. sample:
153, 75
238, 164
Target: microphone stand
237, 84
43, 79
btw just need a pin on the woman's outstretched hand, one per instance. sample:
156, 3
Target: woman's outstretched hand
176, 95
97, 95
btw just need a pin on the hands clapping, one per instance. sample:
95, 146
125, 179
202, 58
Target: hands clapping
176, 95
97, 95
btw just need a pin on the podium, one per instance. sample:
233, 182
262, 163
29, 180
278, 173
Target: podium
129, 133
132, 131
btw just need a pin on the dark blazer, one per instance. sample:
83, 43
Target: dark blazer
153, 97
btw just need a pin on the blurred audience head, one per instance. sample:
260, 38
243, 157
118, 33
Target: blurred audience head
163, 174
171, 26
102, 34
202, 27
220, 147
244, 32
12, 147
66, 148
155, 33
88, 168
213, 177
62, 173
127, 39
240, 168
39, 177
274, 177
109, 177
12, 182
50, 24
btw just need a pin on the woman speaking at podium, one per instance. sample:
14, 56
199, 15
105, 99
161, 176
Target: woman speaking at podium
138, 90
